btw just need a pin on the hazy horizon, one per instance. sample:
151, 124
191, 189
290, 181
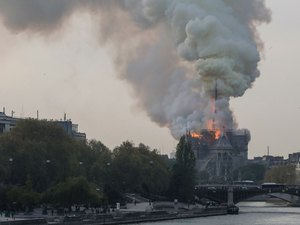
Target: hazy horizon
69, 72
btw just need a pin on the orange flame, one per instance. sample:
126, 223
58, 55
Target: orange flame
217, 134
211, 126
195, 135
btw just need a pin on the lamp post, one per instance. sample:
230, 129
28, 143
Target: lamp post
47, 163
107, 182
151, 163
81, 171
47, 180
11, 160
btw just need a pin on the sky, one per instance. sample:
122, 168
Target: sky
69, 72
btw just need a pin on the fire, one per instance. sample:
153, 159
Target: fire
212, 127
195, 135
217, 134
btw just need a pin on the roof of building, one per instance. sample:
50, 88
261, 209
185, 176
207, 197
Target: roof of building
4, 116
222, 144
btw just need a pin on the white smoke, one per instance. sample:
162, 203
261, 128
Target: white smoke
172, 52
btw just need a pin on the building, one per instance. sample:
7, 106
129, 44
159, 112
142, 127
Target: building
294, 158
297, 173
71, 129
7, 123
220, 155
269, 160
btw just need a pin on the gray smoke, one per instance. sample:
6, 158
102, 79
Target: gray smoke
172, 52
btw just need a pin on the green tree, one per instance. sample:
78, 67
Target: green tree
137, 169
285, 174
184, 173
254, 171
39, 157
76, 190
39, 149
100, 158
21, 198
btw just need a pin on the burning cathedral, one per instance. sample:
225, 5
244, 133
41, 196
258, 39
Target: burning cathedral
218, 150
219, 154
172, 53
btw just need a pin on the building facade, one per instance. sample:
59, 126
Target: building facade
269, 161
294, 158
71, 129
220, 156
7, 123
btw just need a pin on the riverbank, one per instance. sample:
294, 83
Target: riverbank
133, 218
126, 216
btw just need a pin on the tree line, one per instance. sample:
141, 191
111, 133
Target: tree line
41, 164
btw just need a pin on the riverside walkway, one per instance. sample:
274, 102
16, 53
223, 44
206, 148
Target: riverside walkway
133, 213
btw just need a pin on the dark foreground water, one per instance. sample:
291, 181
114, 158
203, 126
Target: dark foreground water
251, 213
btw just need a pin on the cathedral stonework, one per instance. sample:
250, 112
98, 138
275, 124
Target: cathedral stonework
219, 154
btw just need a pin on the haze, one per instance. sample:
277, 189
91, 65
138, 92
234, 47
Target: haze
69, 72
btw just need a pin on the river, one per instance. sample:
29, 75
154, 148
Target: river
251, 213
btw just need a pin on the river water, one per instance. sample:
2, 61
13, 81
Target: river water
251, 213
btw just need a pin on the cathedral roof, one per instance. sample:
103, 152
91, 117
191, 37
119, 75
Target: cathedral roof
222, 144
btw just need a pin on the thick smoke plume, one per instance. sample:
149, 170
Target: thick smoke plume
172, 52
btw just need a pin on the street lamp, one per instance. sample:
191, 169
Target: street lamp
107, 174
11, 168
151, 163
47, 170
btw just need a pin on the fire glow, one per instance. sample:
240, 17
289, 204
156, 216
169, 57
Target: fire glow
216, 134
196, 135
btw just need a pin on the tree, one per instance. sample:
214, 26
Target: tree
285, 174
22, 197
76, 190
137, 169
254, 171
99, 160
31, 145
183, 179
40, 155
